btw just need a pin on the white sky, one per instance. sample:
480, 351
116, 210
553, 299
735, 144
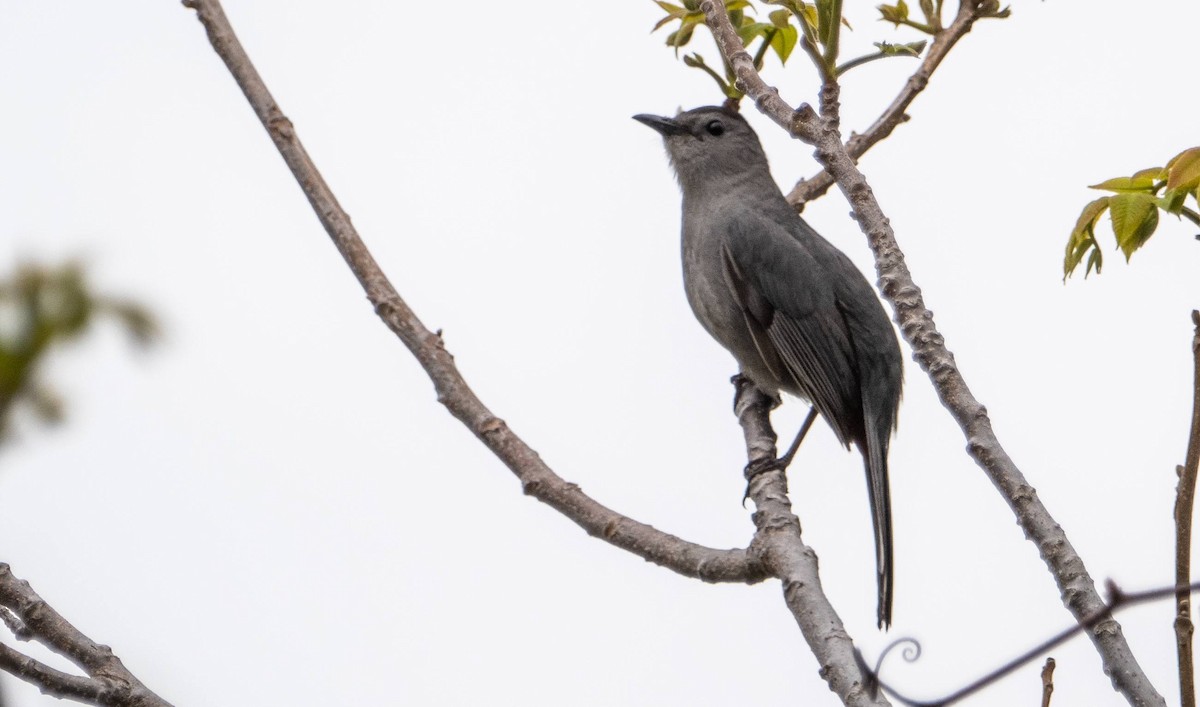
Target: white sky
271, 508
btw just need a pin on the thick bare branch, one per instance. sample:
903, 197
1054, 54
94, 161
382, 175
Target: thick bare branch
779, 544
537, 479
109, 682
968, 12
1076, 587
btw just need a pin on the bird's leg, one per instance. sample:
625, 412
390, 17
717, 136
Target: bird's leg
782, 463
786, 460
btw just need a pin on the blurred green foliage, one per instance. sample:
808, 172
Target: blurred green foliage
1133, 208
42, 308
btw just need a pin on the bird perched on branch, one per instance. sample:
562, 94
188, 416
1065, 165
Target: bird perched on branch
792, 309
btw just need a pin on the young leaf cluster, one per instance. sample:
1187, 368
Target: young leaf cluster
813, 26
1133, 209
899, 14
777, 35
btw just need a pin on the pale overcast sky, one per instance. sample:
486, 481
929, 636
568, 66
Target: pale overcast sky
272, 509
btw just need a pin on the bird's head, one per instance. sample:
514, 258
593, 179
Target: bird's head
709, 145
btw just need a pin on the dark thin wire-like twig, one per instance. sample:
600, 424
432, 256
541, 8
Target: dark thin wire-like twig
1118, 600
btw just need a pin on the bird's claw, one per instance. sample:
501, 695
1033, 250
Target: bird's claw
759, 467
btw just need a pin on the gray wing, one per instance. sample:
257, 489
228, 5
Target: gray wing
788, 300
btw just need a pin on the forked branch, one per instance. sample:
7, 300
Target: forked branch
778, 542
1077, 590
537, 479
107, 681
943, 41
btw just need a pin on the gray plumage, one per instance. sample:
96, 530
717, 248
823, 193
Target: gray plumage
791, 308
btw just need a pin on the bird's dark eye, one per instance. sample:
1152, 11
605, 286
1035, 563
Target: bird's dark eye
715, 128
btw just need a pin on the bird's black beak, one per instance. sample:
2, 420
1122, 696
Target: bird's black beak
666, 126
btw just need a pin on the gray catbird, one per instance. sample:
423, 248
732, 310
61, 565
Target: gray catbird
792, 309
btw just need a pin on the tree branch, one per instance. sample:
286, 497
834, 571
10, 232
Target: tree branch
779, 544
51, 682
108, 683
943, 41
537, 479
1184, 498
1076, 587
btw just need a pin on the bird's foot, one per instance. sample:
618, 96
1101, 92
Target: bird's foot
759, 467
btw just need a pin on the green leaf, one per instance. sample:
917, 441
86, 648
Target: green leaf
1127, 184
683, 35
680, 37
672, 10
1095, 260
1183, 171
1083, 237
1172, 201
896, 14
810, 16
910, 49
784, 41
753, 30
826, 23
1134, 218
1155, 173
781, 18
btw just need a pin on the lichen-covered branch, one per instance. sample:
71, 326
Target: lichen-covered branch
779, 544
108, 682
537, 479
1076, 587
968, 12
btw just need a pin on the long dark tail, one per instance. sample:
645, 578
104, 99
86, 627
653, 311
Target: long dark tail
875, 455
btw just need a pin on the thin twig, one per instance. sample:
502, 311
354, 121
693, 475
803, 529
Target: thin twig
108, 681
536, 477
1047, 682
943, 41
779, 544
1184, 497
1076, 587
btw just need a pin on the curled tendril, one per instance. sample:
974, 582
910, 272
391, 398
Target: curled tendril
910, 654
